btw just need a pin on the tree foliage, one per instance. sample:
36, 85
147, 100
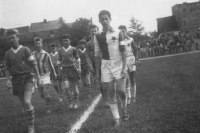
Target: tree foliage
78, 30
136, 26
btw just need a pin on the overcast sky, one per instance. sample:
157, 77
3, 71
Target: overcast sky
16, 13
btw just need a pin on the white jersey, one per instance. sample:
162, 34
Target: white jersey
129, 49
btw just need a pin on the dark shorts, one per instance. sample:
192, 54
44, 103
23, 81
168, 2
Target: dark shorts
22, 83
70, 74
84, 70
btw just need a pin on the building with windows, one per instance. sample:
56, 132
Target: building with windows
185, 18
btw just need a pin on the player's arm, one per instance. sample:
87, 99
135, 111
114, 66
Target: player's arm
59, 63
122, 50
7, 71
135, 49
76, 56
88, 57
33, 63
97, 58
51, 65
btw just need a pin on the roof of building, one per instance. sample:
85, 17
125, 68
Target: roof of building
44, 26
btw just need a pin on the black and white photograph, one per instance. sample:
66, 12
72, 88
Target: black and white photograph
99, 66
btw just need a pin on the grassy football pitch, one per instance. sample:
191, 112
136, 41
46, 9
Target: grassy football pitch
168, 99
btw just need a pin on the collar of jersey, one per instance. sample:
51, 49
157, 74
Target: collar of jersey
66, 49
54, 53
16, 50
42, 51
111, 30
82, 51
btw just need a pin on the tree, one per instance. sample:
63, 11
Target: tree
80, 30
136, 26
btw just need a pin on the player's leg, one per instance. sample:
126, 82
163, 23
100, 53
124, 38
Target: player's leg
66, 85
133, 85
128, 88
60, 87
76, 94
121, 85
107, 79
55, 85
73, 79
88, 83
47, 97
112, 101
28, 85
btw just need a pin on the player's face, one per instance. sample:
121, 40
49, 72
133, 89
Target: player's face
53, 50
13, 39
66, 42
124, 32
81, 46
93, 31
105, 20
38, 45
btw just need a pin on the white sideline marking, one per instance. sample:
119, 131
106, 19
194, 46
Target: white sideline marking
85, 115
168, 55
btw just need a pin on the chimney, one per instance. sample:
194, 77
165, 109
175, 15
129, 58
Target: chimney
45, 21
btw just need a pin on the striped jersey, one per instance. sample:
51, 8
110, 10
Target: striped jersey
43, 61
67, 57
19, 61
108, 45
54, 58
82, 55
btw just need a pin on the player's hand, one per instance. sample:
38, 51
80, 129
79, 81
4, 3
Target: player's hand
55, 76
79, 71
9, 84
39, 82
91, 69
124, 72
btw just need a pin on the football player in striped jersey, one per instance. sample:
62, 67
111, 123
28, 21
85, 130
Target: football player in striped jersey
44, 64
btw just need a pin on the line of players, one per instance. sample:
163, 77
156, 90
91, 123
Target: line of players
108, 54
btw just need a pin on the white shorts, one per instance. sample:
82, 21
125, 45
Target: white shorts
45, 78
111, 69
130, 60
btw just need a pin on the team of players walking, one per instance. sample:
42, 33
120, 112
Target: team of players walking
110, 55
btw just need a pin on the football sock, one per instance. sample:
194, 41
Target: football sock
128, 91
88, 88
134, 90
48, 101
114, 110
30, 117
56, 88
69, 96
76, 96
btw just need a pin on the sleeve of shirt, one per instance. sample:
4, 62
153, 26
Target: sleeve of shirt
122, 47
30, 56
59, 57
7, 63
88, 54
97, 50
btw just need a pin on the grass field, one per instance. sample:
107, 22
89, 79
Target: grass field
168, 98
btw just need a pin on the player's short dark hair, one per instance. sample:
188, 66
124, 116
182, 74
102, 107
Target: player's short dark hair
38, 39
66, 36
94, 26
53, 45
11, 31
104, 12
122, 27
82, 41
